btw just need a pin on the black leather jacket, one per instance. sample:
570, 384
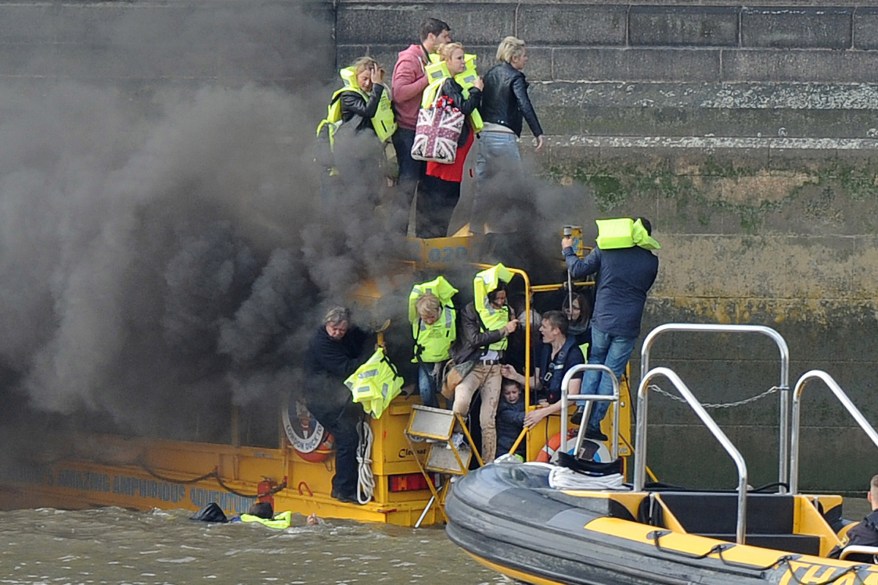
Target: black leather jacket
505, 100
354, 107
453, 90
471, 339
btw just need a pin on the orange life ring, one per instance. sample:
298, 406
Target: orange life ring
321, 452
548, 451
309, 439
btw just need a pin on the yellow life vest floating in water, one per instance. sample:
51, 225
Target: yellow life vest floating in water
615, 234
492, 318
280, 521
375, 384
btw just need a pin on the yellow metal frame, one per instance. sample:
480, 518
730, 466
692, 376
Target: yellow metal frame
444, 440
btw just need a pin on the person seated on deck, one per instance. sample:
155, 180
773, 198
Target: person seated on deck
558, 354
865, 533
510, 417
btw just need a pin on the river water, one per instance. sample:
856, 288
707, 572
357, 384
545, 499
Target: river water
116, 546
120, 547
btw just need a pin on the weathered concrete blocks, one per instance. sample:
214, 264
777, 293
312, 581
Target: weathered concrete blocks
683, 26
800, 65
608, 64
865, 28
818, 28
573, 24
398, 24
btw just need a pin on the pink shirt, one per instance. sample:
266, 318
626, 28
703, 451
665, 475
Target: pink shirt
409, 83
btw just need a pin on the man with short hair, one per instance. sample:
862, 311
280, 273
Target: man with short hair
625, 276
866, 532
409, 82
335, 351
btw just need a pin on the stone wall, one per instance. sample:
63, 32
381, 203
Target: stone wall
747, 133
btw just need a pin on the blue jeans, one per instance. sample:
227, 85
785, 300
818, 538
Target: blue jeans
612, 351
496, 151
427, 385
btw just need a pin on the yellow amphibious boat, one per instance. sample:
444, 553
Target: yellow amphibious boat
85, 470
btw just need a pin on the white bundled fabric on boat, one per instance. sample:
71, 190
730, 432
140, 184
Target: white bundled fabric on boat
563, 478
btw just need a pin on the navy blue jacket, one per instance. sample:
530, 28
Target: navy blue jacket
510, 421
554, 370
328, 363
863, 534
624, 278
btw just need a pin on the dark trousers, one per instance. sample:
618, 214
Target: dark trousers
342, 423
437, 199
411, 171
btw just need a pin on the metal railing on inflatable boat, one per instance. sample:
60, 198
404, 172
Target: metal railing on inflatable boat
783, 386
797, 405
588, 399
640, 441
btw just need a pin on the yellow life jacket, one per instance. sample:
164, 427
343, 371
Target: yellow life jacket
280, 521
383, 122
433, 342
437, 72
492, 318
583, 347
375, 384
624, 232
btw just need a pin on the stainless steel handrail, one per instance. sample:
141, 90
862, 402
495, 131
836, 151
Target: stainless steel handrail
566, 398
783, 386
640, 441
797, 405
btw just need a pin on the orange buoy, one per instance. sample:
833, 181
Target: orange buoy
547, 453
323, 450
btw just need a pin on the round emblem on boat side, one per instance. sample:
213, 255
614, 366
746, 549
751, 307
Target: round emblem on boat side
305, 433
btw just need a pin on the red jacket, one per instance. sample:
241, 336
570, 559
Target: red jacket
409, 83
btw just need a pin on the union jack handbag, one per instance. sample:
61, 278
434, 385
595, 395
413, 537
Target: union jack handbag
437, 132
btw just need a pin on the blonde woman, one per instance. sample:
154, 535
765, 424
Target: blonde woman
441, 187
505, 103
354, 107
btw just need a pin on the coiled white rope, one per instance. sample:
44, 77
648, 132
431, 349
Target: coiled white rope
366, 480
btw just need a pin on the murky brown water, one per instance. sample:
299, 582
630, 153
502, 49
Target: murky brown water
119, 547
116, 546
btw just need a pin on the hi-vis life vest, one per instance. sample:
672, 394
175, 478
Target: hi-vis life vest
433, 342
624, 232
437, 73
280, 521
383, 121
492, 318
375, 384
